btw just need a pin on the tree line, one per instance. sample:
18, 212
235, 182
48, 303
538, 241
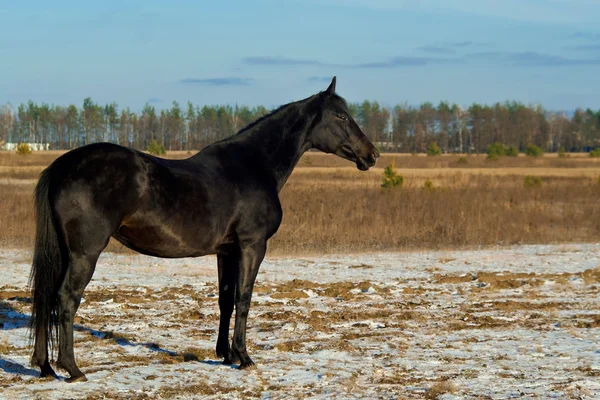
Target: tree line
403, 128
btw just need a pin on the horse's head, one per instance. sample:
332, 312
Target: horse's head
336, 131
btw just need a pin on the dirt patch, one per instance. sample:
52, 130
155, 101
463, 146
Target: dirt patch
361, 266
453, 278
198, 389
296, 294
440, 388
498, 281
292, 345
591, 276
117, 295
6, 348
590, 321
14, 294
525, 304
473, 321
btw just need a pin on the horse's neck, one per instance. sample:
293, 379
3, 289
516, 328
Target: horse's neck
281, 142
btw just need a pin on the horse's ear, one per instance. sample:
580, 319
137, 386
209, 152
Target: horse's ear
331, 89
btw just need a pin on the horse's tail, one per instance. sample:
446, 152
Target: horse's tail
47, 269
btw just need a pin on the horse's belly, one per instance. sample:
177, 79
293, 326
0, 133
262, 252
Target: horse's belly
160, 241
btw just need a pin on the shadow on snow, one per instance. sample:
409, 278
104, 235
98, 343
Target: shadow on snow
11, 319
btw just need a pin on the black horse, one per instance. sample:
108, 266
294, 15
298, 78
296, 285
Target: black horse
224, 201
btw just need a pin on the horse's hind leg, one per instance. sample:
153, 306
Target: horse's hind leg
40, 355
228, 264
78, 275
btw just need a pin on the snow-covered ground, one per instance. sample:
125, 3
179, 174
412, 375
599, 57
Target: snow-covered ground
495, 323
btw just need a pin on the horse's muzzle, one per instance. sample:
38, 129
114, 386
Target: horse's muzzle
364, 163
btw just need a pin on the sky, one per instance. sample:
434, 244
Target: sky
271, 52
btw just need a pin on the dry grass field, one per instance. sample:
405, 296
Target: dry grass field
330, 206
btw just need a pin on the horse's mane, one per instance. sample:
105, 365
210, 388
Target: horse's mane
270, 114
264, 117
281, 108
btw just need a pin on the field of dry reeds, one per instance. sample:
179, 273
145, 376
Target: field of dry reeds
330, 206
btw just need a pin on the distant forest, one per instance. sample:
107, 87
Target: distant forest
401, 129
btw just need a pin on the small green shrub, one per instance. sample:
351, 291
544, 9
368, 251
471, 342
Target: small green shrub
24, 149
391, 179
307, 161
512, 151
462, 160
433, 149
533, 151
495, 150
428, 185
562, 153
595, 153
156, 148
532, 181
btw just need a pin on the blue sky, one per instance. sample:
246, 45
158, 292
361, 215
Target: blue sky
272, 52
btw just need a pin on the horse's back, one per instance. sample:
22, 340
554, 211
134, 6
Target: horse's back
105, 174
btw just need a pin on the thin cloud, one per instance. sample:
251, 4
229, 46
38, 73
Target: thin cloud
280, 61
531, 58
153, 100
470, 43
232, 81
466, 43
586, 47
320, 78
399, 61
433, 49
539, 59
407, 61
586, 35
451, 48
526, 58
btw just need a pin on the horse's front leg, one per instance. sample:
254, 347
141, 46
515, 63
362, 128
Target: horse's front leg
228, 264
252, 255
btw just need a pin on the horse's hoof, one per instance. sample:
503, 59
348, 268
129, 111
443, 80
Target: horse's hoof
247, 364
230, 358
48, 372
73, 379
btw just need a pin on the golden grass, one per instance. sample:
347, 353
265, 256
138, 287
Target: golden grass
343, 214
440, 388
402, 160
6, 348
330, 206
16, 215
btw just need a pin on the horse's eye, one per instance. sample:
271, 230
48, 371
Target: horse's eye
342, 117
